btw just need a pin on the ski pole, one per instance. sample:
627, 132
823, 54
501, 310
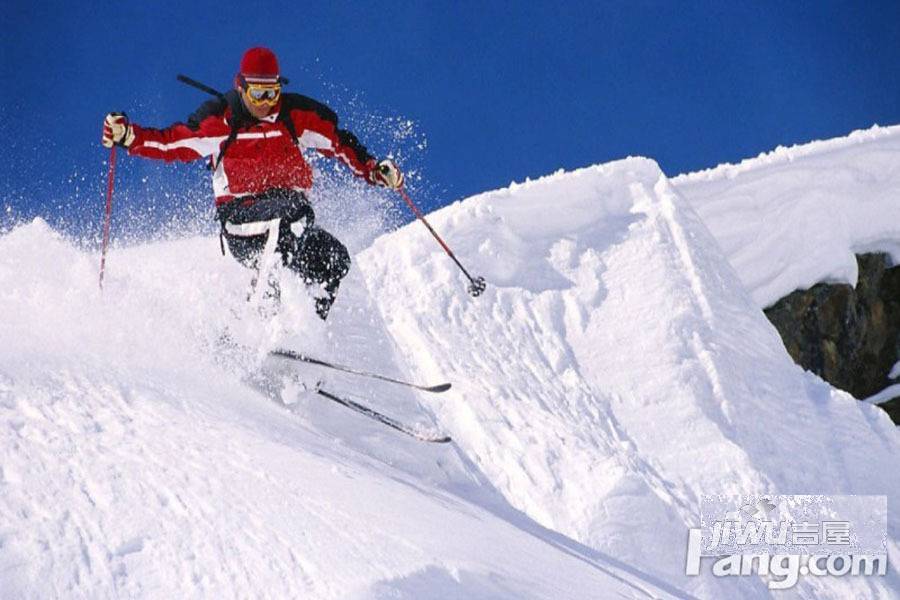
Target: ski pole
109, 194
476, 284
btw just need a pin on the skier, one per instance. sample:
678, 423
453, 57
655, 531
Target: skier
254, 137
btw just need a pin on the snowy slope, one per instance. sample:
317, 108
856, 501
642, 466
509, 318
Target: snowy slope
616, 368
133, 465
796, 216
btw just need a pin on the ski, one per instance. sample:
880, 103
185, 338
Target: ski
374, 414
291, 355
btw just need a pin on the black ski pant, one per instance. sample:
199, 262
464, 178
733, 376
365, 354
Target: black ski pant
313, 254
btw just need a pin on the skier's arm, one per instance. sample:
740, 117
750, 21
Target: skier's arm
179, 142
319, 127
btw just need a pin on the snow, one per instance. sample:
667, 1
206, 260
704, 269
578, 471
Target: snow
888, 393
616, 368
133, 465
895, 372
796, 216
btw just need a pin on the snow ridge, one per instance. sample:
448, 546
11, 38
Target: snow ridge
788, 154
797, 216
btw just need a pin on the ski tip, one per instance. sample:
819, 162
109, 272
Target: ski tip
438, 388
440, 440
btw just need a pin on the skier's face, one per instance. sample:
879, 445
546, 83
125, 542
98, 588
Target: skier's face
259, 99
257, 110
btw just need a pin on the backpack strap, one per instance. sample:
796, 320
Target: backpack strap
291, 102
238, 118
285, 117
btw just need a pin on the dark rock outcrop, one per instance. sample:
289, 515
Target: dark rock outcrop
849, 337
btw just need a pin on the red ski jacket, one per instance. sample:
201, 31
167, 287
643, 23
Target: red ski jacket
249, 156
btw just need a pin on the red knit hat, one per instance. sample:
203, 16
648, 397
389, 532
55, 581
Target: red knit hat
259, 65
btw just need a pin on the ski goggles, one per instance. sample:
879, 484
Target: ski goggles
260, 94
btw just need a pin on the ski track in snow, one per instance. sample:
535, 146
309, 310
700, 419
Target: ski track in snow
616, 368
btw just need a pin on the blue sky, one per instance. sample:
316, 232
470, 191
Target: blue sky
499, 91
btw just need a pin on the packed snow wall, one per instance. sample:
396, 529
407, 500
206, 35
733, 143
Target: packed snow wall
617, 368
